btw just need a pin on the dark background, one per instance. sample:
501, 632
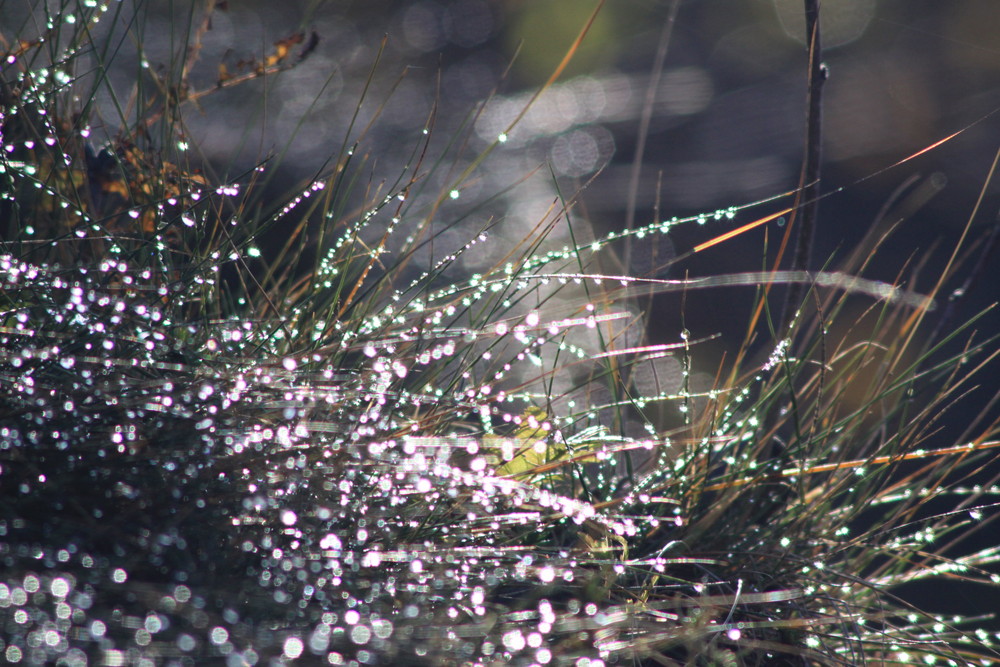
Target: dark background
726, 128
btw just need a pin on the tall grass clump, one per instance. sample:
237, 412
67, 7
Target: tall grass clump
241, 431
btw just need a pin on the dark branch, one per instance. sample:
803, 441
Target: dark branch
810, 175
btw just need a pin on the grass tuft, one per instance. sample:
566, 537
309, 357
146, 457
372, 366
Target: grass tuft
241, 430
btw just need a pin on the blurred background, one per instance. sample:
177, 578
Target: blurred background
725, 88
667, 109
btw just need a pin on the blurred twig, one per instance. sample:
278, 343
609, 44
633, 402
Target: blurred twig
808, 190
644, 121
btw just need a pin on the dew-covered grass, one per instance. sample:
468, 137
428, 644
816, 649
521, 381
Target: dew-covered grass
341, 448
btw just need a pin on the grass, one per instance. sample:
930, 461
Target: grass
216, 448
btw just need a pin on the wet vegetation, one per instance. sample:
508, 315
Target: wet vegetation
235, 430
